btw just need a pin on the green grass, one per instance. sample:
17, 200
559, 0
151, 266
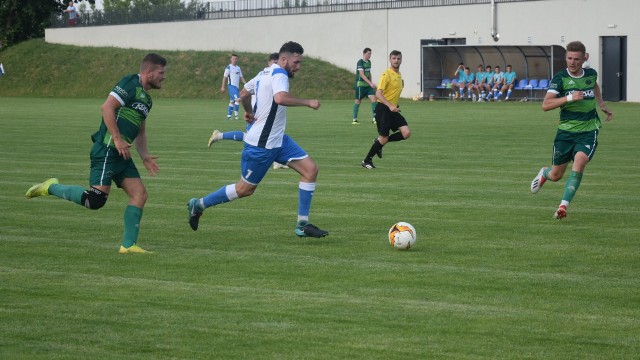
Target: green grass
492, 275
35, 68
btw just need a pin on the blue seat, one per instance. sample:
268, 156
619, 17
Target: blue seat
533, 83
522, 84
543, 84
444, 83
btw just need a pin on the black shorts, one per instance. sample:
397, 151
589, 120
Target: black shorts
387, 120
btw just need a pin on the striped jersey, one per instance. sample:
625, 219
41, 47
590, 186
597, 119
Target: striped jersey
365, 66
136, 104
268, 127
233, 75
577, 116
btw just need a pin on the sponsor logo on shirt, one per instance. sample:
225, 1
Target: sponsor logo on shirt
141, 107
121, 91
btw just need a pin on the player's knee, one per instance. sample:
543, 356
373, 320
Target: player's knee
140, 198
314, 170
94, 199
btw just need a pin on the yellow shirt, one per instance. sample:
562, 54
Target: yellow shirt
391, 84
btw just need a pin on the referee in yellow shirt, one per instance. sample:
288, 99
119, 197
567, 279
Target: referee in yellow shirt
388, 115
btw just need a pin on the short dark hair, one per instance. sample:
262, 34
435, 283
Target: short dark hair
394, 53
489, 66
467, 68
366, 50
232, 55
152, 60
291, 47
274, 57
576, 46
497, 66
509, 65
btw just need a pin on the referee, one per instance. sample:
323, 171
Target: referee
388, 117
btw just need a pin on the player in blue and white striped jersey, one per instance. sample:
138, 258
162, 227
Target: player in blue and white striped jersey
266, 141
232, 77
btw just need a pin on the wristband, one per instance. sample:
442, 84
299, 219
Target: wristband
570, 98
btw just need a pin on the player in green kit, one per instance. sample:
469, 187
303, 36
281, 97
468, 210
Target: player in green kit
576, 92
124, 115
364, 87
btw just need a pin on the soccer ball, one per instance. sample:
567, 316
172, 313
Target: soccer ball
402, 235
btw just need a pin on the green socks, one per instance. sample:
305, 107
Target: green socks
572, 185
67, 192
132, 217
356, 107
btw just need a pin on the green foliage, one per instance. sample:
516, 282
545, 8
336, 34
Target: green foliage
35, 68
492, 275
23, 20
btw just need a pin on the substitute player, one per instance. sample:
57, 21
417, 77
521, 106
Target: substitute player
266, 142
364, 86
576, 92
124, 115
232, 76
388, 115
509, 82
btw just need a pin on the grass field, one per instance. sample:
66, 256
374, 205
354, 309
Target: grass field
492, 275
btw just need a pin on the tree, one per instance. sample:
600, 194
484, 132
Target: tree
24, 20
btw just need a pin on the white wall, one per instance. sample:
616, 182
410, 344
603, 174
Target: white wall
340, 37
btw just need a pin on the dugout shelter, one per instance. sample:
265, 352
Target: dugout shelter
534, 66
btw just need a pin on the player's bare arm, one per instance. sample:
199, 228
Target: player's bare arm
386, 102
551, 101
285, 99
245, 100
603, 106
148, 160
109, 109
224, 84
366, 79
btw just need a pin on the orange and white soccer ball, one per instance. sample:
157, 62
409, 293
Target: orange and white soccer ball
402, 235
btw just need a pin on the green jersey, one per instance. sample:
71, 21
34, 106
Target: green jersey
136, 104
577, 116
366, 67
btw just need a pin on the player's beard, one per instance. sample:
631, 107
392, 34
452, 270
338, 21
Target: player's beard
290, 73
157, 84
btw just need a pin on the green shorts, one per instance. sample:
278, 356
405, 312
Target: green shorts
567, 144
108, 165
364, 91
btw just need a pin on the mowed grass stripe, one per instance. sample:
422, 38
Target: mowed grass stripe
492, 275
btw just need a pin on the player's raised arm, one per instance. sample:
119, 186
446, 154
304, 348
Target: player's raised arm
285, 99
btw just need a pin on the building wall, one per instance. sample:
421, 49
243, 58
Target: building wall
340, 37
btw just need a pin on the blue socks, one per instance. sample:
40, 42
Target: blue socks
233, 135
222, 195
305, 195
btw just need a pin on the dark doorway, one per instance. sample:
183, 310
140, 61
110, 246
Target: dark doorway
614, 68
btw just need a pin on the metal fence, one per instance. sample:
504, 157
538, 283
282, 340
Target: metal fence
247, 8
